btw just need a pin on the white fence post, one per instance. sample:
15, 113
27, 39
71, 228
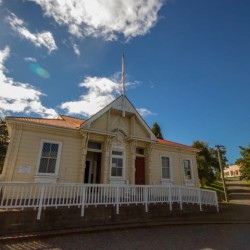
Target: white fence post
170, 197
83, 200
40, 206
117, 199
146, 198
199, 197
216, 201
180, 198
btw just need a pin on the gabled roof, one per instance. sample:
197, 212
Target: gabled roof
75, 123
61, 121
122, 104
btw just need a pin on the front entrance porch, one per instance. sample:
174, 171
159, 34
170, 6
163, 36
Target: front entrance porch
92, 173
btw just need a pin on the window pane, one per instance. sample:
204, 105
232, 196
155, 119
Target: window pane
114, 162
165, 173
165, 162
140, 151
165, 167
186, 164
119, 172
116, 152
94, 145
113, 172
51, 166
54, 150
119, 162
187, 170
43, 165
46, 149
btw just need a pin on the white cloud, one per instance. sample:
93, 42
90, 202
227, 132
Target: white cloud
44, 38
76, 49
16, 97
144, 112
101, 91
106, 18
29, 59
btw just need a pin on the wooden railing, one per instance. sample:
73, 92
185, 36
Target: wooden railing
40, 196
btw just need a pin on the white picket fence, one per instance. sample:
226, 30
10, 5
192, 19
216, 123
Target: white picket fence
41, 196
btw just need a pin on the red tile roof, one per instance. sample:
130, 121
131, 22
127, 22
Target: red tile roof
61, 121
174, 144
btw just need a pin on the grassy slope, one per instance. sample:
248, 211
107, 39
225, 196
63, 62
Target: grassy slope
216, 186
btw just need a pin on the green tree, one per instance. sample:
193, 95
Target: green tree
157, 131
244, 162
204, 162
4, 142
208, 162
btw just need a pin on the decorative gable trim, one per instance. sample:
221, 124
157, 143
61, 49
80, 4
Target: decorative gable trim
124, 105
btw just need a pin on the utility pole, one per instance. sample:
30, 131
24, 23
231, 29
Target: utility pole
221, 169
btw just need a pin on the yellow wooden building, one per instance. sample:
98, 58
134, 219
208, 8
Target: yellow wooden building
113, 146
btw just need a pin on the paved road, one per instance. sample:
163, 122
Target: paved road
194, 237
199, 237
239, 192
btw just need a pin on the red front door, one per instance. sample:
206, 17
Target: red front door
140, 171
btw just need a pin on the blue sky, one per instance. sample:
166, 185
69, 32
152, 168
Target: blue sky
187, 63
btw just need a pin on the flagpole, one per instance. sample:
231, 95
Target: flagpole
123, 87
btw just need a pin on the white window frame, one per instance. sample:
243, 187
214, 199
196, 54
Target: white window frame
57, 159
191, 170
170, 179
123, 163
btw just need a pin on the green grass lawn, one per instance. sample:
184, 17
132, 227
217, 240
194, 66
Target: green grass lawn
216, 186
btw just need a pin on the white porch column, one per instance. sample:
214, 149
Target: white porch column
149, 164
85, 138
131, 164
106, 161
